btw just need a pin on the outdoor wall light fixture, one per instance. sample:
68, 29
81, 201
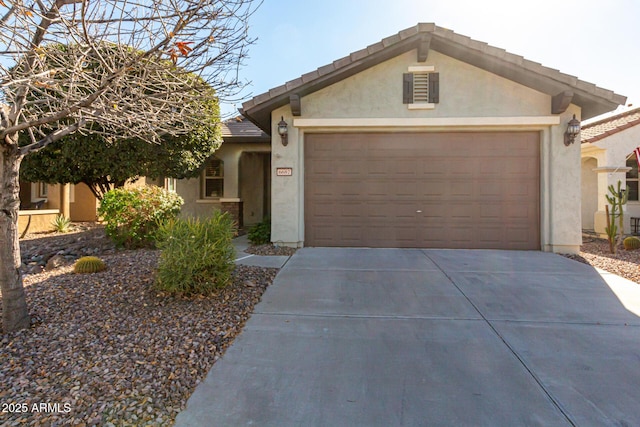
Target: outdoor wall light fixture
573, 130
283, 131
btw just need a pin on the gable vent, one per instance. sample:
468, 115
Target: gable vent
420, 88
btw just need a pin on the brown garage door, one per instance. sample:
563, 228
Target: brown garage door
428, 190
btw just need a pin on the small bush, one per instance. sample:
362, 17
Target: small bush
89, 264
631, 243
260, 234
132, 215
197, 255
61, 224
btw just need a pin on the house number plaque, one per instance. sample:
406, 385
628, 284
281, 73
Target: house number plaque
284, 171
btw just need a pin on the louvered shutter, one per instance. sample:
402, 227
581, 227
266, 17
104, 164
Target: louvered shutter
407, 88
434, 88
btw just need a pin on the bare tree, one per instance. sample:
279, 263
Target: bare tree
121, 68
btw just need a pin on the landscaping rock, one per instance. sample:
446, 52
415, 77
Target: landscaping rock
87, 239
595, 251
108, 344
114, 349
55, 262
270, 249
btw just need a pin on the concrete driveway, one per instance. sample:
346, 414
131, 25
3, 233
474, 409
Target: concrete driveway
400, 337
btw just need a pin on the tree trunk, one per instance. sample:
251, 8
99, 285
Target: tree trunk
15, 315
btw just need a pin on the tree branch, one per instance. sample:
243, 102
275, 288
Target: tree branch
52, 137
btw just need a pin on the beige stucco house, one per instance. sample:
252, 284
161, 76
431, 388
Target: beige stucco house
235, 179
426, 139
40, 203
607, 157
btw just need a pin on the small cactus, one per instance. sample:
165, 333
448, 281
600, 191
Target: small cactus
631, 243
89, 264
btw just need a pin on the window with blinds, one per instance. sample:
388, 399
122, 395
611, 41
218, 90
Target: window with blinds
213, 179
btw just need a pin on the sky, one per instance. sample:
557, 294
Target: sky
596, 41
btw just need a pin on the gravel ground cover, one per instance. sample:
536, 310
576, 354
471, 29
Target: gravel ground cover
105, 349
595, 252
270, 250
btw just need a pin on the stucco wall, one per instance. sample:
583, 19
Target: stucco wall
36, 221
465, 91
589, 191
563, 190
84, 205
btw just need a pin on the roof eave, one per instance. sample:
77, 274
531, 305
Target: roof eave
246, 139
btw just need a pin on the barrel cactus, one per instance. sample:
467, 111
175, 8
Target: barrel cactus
631, 243
89, 264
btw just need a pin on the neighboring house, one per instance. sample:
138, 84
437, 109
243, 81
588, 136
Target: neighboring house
608, 157
425, 139
40, 203
235, 179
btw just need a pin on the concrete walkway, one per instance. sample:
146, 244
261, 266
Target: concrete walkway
392, 337
242, 243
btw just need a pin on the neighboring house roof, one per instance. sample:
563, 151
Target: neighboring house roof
592, 99
608, 126
239, 129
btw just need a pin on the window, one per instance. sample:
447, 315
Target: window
421, 86
213, 179
43, 190
632, 178
170, 184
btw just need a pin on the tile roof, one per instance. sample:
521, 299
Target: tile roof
592, 99
600, 129
239, 129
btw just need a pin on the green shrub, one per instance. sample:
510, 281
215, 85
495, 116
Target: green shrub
631, 243
89, 264
197, 257
260, 234
132, 215
61, 224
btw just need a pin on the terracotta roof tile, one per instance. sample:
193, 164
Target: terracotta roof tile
600, 129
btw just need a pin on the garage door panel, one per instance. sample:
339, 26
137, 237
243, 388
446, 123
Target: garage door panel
513, 168
432, 168
474, 190
515, 190
378, 167
400, 211
490, 212
460, 189
461, 235
435, 236
490, 189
